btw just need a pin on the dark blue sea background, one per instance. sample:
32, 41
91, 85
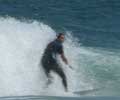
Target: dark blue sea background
94, 22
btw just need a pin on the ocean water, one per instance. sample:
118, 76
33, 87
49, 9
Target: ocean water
91, 46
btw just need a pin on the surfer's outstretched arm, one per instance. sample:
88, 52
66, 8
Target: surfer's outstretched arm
64, 58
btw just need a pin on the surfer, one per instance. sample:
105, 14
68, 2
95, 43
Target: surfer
49, 59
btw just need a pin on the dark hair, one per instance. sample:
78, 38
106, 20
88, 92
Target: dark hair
59, 35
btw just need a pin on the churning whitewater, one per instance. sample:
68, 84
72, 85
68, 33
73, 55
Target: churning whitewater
22, 44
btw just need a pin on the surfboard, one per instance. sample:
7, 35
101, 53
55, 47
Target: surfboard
85, 92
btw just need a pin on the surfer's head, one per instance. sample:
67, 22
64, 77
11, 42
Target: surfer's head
61, 37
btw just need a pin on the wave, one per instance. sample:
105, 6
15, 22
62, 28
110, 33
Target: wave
21, 46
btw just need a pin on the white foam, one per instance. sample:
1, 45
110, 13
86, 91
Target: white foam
21, 47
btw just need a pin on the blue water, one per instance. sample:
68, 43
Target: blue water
92, 45
57, 98
92, 21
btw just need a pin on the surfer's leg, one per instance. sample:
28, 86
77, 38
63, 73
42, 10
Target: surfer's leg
49, 77
62, 75
46, 69
60, 72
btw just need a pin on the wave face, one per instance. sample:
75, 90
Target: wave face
21, 46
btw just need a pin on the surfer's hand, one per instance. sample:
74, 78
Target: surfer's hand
70, 67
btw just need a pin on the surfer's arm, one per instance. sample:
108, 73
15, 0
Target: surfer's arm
64, 58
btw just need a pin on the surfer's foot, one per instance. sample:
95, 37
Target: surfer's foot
66, 89
49, 81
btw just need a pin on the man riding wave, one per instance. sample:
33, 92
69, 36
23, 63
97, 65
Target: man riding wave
49, 59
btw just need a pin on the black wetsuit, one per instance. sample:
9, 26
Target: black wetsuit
49, 61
